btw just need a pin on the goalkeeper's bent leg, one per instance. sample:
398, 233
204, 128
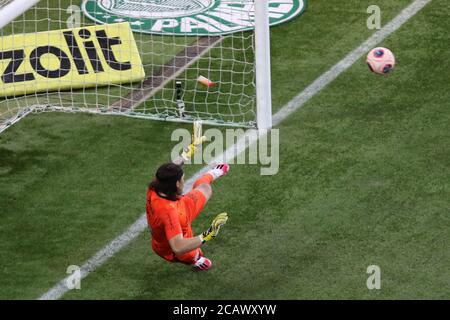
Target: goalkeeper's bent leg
195, 259
189, 257
194, 201
218, 171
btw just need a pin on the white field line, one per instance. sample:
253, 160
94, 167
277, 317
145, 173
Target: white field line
140, 225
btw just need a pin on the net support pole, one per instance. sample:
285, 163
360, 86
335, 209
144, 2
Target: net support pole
14, 9
262, 56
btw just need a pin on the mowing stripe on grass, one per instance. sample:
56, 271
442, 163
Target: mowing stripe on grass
141, 224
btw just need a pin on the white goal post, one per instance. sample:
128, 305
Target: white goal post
11, 9
263, 75
105, 57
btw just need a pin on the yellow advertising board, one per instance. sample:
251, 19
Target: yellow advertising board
68, 59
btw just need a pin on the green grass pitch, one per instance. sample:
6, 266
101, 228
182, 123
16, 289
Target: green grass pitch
364, 179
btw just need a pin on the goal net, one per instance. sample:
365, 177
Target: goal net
3, 3
173, 60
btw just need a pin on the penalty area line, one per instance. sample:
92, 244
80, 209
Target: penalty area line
297, 102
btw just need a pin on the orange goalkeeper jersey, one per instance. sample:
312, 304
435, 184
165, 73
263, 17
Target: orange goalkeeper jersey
168, 218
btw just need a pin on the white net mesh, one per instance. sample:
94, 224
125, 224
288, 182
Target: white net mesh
4, 3
183, 49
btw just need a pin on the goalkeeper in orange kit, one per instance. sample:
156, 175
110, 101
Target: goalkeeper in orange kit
170, 214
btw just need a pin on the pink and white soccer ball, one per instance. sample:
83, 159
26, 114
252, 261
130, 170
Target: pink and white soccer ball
381, 60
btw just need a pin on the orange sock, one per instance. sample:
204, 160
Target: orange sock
206, 178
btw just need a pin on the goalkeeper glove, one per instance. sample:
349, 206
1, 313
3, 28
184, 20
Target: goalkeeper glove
190, 150
213, 230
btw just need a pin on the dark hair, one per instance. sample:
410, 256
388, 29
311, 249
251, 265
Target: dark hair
166, 179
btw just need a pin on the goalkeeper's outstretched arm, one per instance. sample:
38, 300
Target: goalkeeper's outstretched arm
197, 141
181, 245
